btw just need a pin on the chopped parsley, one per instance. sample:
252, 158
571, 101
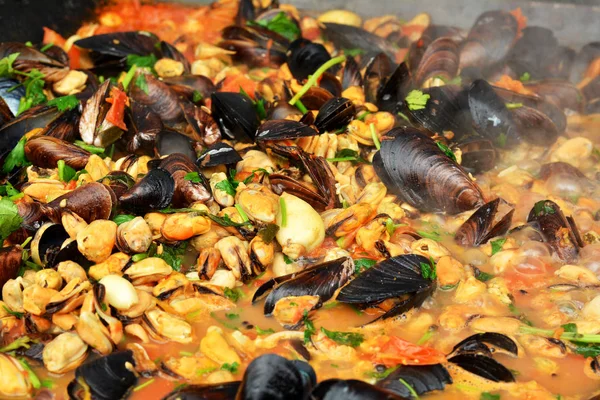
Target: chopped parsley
233, 294
122, 218
361, 264
446, 150
416, 100
64, 103
15, 314
16, 157
6, 65
197, 96
541, 208
489, 396
141, 82
91, 148
501, 139
353, 52
433, 235
344, 338
412, 391
428, 270
348, 155
525, 77
233, 367
374, 136
512, 106
232, 316
173, 255
281, 24
497, 245
65, 173
34, 91
268, 233
483, 276
141, 61
287, 259
309, 327
10, 220
264, 331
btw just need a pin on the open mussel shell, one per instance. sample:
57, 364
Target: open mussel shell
186, 85
316, 97
321, 280
558, 231
581, 63
377, 71
91, 201
283, 129
351, 75
93, 126
414, 168
439, 60
106, 378
142, 128
218, 154
29, 58
491, 118
484, 343
221, 391
390, 279
48, 239
167, 50
119, 182
489, 40
169, 142
32, 214
478, 155
305, 57
46, 151
534, 126
235, 115
65, 126
10, 93
186, 191
392, 92
271, 376
10, 262
158, 96
562, 93
483, 366
559, 168
118, 45
335, 114
153, 192
483, 225
352, 37
421, 378
68, 251
352, 389
36, 117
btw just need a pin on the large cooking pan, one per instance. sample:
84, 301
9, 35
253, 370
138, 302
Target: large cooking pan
573, 22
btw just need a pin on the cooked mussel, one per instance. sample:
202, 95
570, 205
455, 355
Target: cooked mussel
334, 114
10, 262
142, 129
351, 75
221, 391
305, 57
321, 280
352, 37
395, 278
46, 151
440, 61
191, 86
112, 49
65, 126
153, 192
118, 181
484, 224
29, 58
283, 129
414, 168
392, 92
558, 231
352, 389
91, 202
377, 71
218, 154
486, 343
105, 378
169, 142
478, 155
421, 378
10, 95
48, 239
235, 115
94, 126
255, 45
158, 96
187, 191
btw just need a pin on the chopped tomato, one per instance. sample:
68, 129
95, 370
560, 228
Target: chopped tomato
394, 351
233, 83
116, 113
508, 83
56, 39
311, 33
71, 185
521, 19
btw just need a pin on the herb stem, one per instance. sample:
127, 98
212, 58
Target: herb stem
143, 385
410, 388
129, 76
374, 136
313, 79
283, 212
301, 107
242, 213
571, 336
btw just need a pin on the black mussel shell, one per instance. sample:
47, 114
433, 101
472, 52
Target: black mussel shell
414, 168
491, 118
377, 71
249, 53
478, 155
421, 378
489, 40
316, 97
67, 252
10, 262
221, 391
119, 182
305, 57
331, 83
158, 96
534, 126
480, 226
483, 366
48, 239
283, 129
5, 114
335, 114
186, 191
388, 279
186, 85
391, 94
352, 389
581, 63
558, 231
11, 133
218, 154
11, 97
235, 115
46, 151
91, 201
65, 126
32, 214
34, 352
153, 192
204, 129
169, 142
351, 75
167, 50
108, 377
352, 37
479, 343
121, 44
559, 168
142, 129
439, 60
560, 92
321, 280
430, 34
447, 109
273, 377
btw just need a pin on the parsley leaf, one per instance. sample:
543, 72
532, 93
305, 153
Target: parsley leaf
497, 245
140, 82
428, 270
173, 255
6, 64
233, 294
540, 208
361, 264
446, 150
16, 157
233, 367
193, 177
268, 233
232, 316
572, 328
525, 77
353, 52
483, 276
122, 218
10, 220
141, 61
501, 139
281, 24
489, 396
433, 235
65, 173
197, 96
8, 190
416, 100
34, 91
287, 259
64, 103
226, 187
348, 155
344, 338
264, 331
309, 327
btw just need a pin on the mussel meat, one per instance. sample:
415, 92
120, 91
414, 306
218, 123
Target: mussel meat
484, 224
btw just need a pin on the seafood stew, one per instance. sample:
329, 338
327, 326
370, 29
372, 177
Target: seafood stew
247, 201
